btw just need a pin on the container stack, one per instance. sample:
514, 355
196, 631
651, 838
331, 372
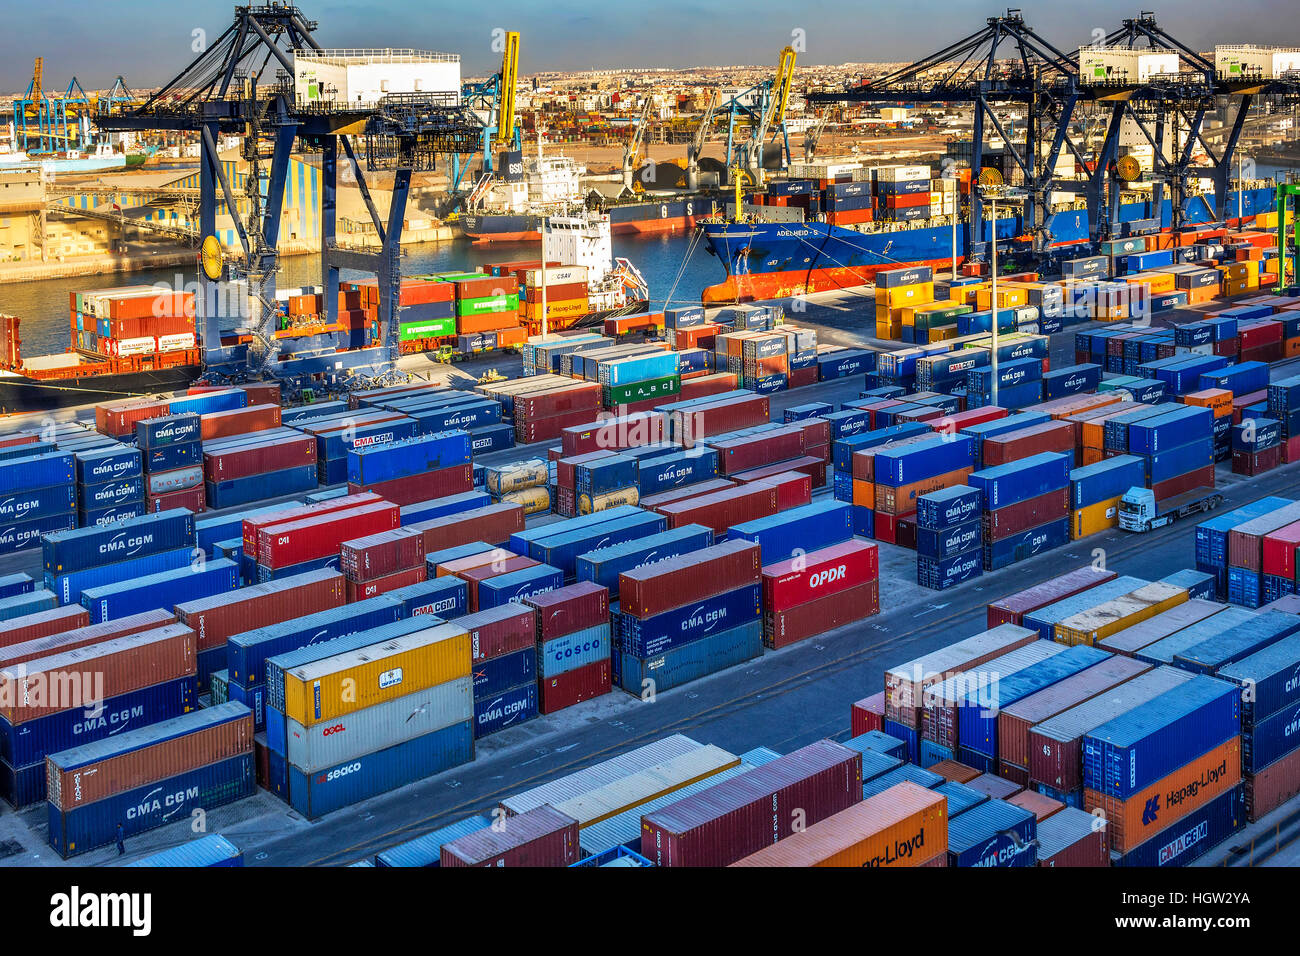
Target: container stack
688, 616
487, 312
383, 562
1284, 406
428, 316
902, 472
110, 485
132, 322
1256, 446
142, 779
172, 449
522, 483
1270, 751
244, 469
949, 537
1095, 492
1212, 539
1246, 547
542, 406
308, 538
820, 591
566, 294
42, 498
574, 644
414, 469
901, 289
1026, 508
1020, 383
339, 433
504, 644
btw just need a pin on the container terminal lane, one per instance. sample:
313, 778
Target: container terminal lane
784, 700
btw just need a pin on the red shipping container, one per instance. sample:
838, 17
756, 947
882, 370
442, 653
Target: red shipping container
800, 377
1012, 609
30, 650
753, 451
793, 488
497, 631
632, 431
361, 590
540, 837
297, 512
905, 533
262, 393
867, 715
1291, 450
29, 627
1088, 844
214, 619
805, 465
569, 609
556, 293
689, 426
89, 782
488, 285
1172, 487
492, 569
816, 431
99, 671
256, 459
379, 555
566, 468
918, 415
1025, 442
788, 584
1273, 786
239, 421
707, 385
549, 428
1278, 551
696, 490
722, 509
493, 524
563, 399
1246, 540
1012, 519
424, 486
820, 452
17, 439
1256, 463
192, 498
284, 545
119, 418
574, 687
823, 614
686, 578
907, 200
740, 816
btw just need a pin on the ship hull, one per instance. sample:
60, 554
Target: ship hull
625, 219
18, 393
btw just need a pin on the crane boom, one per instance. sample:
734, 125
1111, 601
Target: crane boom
509, 77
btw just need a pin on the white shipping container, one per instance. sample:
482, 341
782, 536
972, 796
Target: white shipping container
902, 174
1120, 65
176, 342
141, 346
1246, 61
379, 727
364, 77
556, 275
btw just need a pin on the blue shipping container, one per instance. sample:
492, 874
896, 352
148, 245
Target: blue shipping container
108, 602
507, 709
604, 565
88, 547
692, 661
499, 674
802, 529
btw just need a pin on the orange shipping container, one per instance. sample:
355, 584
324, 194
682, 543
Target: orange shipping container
487, 322
239, 421
1190, 787
902, 500
1218, 399
905, 825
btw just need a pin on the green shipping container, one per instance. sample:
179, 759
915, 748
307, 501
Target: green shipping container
487, 303
427, 329
640, 391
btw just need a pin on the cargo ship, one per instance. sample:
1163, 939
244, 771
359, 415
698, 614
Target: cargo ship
776, 259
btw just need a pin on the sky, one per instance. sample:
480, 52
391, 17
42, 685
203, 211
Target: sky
149, 41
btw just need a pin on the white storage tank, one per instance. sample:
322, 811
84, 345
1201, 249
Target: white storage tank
364, 77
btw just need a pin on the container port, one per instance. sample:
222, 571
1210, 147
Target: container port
957, 525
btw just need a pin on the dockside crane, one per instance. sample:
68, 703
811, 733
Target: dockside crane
696, 147
764, 106
632, 151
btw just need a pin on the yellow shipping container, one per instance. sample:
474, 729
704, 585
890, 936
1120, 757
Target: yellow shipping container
967, 294
1090, 626
562, 309
943, 333
1236, 287
619, 796
346, 683
1158, 282
902, 295
1094, 518
1007, 298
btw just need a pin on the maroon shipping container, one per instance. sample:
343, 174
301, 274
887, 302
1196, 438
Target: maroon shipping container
1017, 718
574, 687
864, 462
1258, 334
529, 430
871, 407
1023, 515
566, 468
285, 545
707, 385
752, 451
820, 452
1025, 442
493, 524
215, 619
1012, 610
1273, 786
782, 628
867, 715
239, 421
360, 590
697, 490
630, 431
497, 631
804, 465
473, 576
70, 679
918, 415
1086, 844
29, 627
295, 513
816, 431
192, 498
271, 455
692, 425
1172, 487
730, 820
422, 487
654, 588
488, 285
905, 531
81, 637
722, 509
566, 502
794, 486
1226, 347
799, 377
378, 555
540, 837
562, 400
83, 785
262, 393
1256, 463
1291, 450
569, 609
1246, 540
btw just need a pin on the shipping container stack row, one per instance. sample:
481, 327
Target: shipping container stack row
436, 408
1251, 551
133, 322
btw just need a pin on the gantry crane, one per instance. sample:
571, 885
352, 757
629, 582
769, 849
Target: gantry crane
632, 151
696, 147
493, 103
764, 105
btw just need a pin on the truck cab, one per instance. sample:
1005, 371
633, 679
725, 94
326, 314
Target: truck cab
1137, 510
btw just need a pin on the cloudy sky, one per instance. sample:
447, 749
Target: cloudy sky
148, 41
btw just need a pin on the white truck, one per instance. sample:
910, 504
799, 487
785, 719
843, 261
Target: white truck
1140, 512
